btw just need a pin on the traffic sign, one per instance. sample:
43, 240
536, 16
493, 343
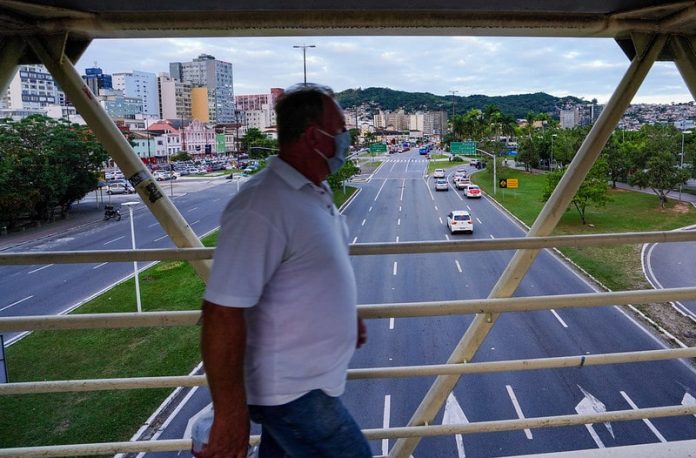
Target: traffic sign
513, 183
465, 148
378, 148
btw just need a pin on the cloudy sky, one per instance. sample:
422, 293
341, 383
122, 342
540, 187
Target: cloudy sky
588, 68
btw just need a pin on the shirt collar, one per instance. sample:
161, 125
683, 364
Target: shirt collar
289, 174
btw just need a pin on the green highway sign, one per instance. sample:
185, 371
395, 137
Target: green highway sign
378, 148
465, 148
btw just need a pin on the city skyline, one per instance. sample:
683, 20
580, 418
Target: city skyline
586, 68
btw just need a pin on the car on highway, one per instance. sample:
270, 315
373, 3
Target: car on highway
472, 192
164, 176
439, 173
462, 182
441, 185
460, 221
459, 173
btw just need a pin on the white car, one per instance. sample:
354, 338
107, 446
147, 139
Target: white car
439, 173
460, 221
472, 192
462, 182
441, 185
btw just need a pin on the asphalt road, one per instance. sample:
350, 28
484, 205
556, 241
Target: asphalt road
399, 204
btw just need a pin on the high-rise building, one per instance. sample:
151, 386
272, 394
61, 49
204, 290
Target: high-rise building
258, 109
569, 118
142, 85
216, 76
174, 98
97, 80
31, 90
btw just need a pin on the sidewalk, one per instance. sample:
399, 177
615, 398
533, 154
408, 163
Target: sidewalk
80, 215
674, 195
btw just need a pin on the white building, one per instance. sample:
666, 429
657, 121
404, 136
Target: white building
142, 85
569, 118
174, 98
31, 90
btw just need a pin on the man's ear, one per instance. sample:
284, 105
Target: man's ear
312, 136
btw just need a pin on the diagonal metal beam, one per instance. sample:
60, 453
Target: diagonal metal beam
10, 53
684, 49
544, 225
50, 51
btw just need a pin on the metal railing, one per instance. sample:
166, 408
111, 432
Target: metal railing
368, 311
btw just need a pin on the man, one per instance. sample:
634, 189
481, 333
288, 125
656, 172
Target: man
279, 312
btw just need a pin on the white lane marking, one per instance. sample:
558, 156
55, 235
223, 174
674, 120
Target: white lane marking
192, 209
479, 221
491, 236
590, 405
399, 208
518, 409
395, 267
649, 424
391, 323
468, 208
15, 303
403, 185
454, 415
355, 239
160, 238
397, 239
385, 422
369, 210
115, 240
558, 317
398, 222
447, 236
364, 221
153, 225
195, 222
99, 265
440, 218
40, 268
459, 267
436, 208
380, 190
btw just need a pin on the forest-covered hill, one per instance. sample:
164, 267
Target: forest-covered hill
513, 105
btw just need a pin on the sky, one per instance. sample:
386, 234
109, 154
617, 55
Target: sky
588, 68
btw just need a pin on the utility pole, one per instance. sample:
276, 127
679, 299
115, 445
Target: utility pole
453, 92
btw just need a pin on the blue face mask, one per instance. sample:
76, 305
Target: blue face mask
341, 143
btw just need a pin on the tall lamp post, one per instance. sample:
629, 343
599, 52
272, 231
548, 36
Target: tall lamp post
681, 160
453, 92
130, 206
495, 174
551, 158
304, 58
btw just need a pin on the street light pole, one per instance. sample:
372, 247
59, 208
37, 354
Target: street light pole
453, 92
130, 206
495, 174
304, 58
681, 160
551, 158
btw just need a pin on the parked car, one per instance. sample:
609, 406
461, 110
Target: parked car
472, 192
164, 176
439, 173
460, 221
119, 188
441, 185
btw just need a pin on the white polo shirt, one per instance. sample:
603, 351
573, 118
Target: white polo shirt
282, 254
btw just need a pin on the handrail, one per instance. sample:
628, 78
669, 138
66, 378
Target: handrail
370, 434
369, 311
576, 361
362, 249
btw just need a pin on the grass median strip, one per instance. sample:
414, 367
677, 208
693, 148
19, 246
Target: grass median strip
105, 416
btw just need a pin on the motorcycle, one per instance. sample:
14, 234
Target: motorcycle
111, 212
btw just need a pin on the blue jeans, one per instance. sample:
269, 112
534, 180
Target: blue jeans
314, 425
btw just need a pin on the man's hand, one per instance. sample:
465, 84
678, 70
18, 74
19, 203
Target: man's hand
362, 333
227, 440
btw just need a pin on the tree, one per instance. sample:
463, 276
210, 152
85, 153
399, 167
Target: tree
45, 164
528, 153
592, 192
181, 156
354, 136
344, 173
661, 175
617, 154
257, 144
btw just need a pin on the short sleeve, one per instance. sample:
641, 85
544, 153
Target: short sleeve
249, 250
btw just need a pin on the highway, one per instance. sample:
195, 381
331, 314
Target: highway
398, 204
